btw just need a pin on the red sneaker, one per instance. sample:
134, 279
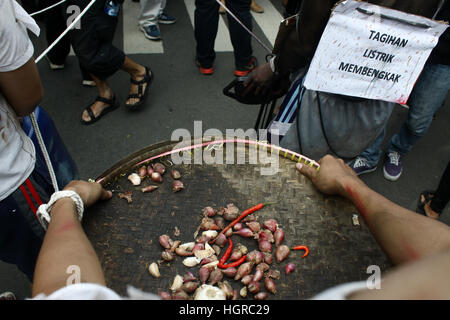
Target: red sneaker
243, 71
204, 71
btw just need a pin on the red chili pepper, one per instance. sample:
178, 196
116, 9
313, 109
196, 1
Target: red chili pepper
227, 253
302, 248
233, 264
242, 216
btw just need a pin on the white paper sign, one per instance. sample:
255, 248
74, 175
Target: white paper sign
372, 52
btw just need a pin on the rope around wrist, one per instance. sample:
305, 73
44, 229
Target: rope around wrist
43, 211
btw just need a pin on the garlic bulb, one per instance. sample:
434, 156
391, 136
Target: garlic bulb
207, 292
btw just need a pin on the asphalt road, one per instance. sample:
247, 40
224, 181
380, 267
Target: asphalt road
178, 97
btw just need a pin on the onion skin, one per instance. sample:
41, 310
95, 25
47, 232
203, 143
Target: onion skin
247, 279
278, 236
263, 267
274, 274
265, 246
282, 253
167, 255
289, 268
236, 254
266, 235
189, 287
208, 212
270, 285
189, 276
268, 258
231, 212
180, 295
220, 222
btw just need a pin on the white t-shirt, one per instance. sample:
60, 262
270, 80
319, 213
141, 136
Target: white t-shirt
17, 154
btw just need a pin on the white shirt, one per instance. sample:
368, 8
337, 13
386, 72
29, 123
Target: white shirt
17, 153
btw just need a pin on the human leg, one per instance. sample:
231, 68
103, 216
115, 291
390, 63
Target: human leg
368, 160
55, 24
141, 78
206, 23
442, 194
240, 38
426, 98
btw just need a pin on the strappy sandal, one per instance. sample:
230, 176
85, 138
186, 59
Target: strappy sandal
113, 104
148, 79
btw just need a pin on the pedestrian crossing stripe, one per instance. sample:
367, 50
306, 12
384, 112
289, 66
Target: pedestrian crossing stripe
134, 41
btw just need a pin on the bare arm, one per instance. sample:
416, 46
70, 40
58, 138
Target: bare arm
22, 88
404, 235
66, 244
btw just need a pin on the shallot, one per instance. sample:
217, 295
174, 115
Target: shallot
177, 185
156, 177
165, 295
229, 272
149, 188
247, 279
271, 225
254, 226
263, 267
226, 288
215, 276
189, 276
289, 268
236, 254
221, 240
260, 296
282, 253
265, 246
150, 171
142, 172
231, 212
254, 287
203, 274
159, 167
180, 295
243, 270
238, 226
274, 274
175, 174
208, 212
279, 236
243, 292
268, 258
167, 255
189, 287
266, 235
258, 275
135, 179
270, 285
165, 241
245, 232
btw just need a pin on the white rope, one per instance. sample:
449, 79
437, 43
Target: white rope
33, 116
48, 8
74, 22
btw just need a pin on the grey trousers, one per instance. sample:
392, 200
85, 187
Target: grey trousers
150, 11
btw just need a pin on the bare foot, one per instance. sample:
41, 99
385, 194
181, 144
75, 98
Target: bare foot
135, 87
97, 107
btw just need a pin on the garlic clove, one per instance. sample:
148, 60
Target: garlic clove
135, 179
154, 270
177, 283
191, 261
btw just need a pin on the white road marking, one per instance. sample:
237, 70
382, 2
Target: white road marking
134, 40
269, 20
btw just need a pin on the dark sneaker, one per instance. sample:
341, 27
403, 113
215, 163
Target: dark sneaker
204, 71
360, 165
392, 168
151, 32
244, 71
166, 19
54, 66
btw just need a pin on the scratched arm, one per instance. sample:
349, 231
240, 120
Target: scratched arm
65, 243
403, 234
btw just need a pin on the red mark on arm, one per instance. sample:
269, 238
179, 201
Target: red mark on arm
357, 201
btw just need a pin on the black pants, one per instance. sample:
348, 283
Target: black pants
92, 43
207, 23
442, 194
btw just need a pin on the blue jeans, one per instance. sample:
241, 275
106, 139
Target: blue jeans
426, 98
